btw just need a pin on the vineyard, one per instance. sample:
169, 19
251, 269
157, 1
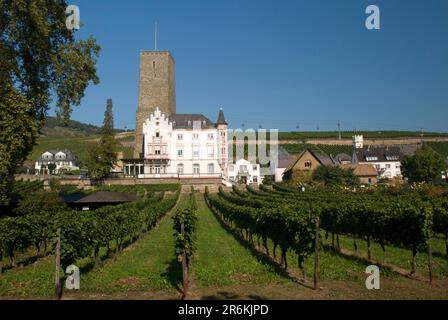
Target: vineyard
291, 219
84, 233
271, 242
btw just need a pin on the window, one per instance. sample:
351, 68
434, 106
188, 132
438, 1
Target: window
210, 151
392, 158
254, 167
180, 153
157, 134
243, 168
180, 168
308, 164
231, 167
196, 168
255, 179
371, 158
388, 166
180, 136
211, 168
157, 150
223, 134
195, 151
195, 136
210, 136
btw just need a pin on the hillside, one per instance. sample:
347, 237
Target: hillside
55, 127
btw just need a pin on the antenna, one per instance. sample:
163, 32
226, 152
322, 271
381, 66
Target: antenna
155, 37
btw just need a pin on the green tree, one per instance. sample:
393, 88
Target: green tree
335, 176
39, 59
425, 166
51, 167
103, 156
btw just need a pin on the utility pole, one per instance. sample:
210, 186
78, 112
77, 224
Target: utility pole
421, 135
339, 129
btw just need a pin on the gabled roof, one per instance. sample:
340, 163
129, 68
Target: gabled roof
107, 197
186, 121
68, 153
378, 154
320, 159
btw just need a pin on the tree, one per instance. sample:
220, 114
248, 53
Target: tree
424, 166
335, 176
103, 156
51, 167
39, 57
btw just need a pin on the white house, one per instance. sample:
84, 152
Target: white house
182, 145
386, 160
243, 171
64, 160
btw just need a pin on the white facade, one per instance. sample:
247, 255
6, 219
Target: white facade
245, 172
63, 159
194, 148
386, 160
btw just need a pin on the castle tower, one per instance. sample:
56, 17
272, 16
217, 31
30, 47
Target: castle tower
157, 88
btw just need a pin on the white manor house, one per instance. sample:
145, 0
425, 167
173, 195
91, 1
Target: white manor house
181, 146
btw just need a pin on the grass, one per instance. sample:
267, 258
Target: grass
150, 263
80, 146
401, 257
223, 260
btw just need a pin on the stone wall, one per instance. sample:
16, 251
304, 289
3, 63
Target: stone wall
157, 88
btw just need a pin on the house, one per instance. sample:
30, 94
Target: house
304, 164
98, 199
366, 173
279, 163
181, 145
63, 159
386, 160
243, 171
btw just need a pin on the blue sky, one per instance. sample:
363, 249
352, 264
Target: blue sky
278, 64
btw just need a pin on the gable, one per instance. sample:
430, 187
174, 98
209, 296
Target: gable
306, 161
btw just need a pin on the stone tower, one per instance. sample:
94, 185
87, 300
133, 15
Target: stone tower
157, 88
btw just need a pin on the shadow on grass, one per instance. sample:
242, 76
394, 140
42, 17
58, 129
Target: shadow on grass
260, 256
173, 274
440, 255
25, 262
364, 260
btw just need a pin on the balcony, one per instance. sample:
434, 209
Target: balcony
157, 156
